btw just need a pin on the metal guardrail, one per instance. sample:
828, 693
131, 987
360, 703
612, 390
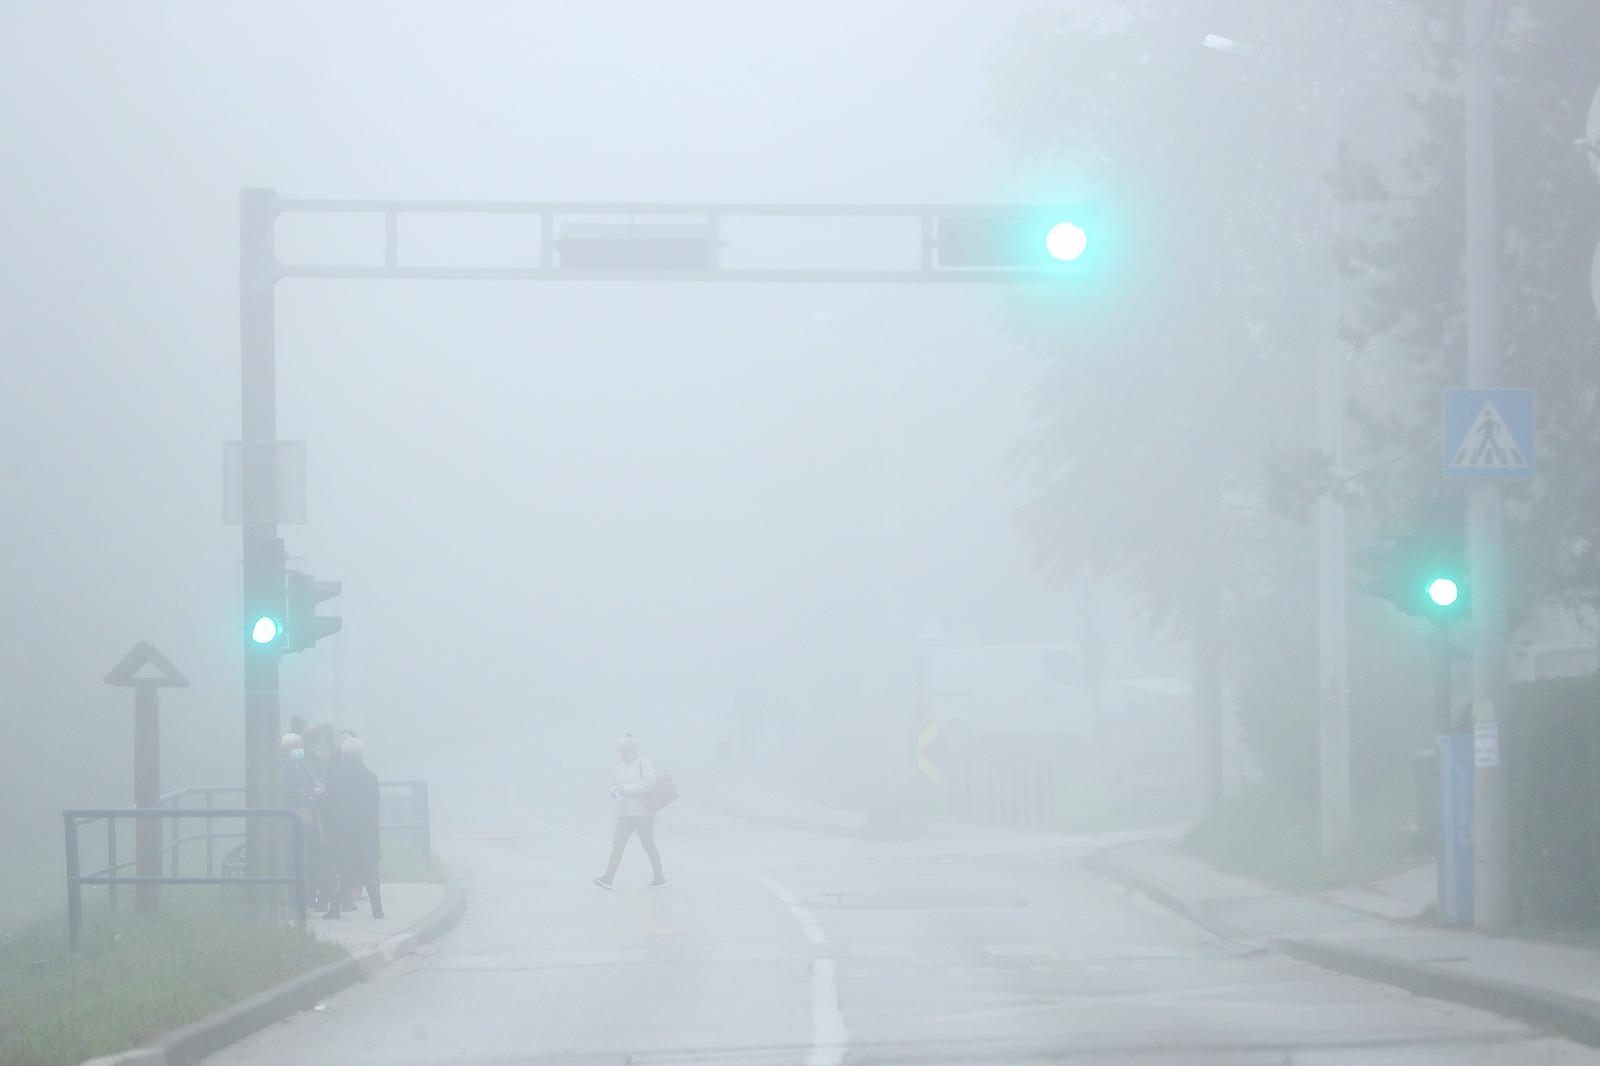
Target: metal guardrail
1018, 793
420, 825
110, 876
417, 824
224, 847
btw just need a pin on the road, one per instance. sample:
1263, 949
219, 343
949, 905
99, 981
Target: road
776, 946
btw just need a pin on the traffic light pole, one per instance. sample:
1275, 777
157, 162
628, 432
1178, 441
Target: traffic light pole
1443, 713
263, 571
1485, 514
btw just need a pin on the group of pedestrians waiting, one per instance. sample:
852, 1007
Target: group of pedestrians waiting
326, 780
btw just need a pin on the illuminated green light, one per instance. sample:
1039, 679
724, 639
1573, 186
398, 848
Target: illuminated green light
1066, 241
1443, 591
264, 631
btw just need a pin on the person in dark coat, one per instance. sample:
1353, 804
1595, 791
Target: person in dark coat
350, 827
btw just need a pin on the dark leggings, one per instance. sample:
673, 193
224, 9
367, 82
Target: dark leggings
645, 826
342, 883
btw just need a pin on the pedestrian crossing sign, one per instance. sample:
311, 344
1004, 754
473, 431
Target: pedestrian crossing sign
1488, 432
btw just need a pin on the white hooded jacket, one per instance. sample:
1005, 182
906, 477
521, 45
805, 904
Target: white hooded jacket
632, 780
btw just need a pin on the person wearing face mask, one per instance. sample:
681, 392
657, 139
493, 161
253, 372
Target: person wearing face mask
300, 794
299, 783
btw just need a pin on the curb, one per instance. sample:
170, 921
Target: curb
1103, 863
1568, 1016
195, 1041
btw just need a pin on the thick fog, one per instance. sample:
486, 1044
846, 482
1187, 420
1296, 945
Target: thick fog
1112, 548
559, 511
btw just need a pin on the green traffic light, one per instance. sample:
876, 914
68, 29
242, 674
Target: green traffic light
1443, 591
264, 630
1066, 241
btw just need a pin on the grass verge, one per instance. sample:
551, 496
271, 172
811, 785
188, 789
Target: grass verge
1264, 833
136, 977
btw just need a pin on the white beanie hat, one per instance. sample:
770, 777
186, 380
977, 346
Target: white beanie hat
290, 742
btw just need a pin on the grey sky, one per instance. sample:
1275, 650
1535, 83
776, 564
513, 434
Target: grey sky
523, 487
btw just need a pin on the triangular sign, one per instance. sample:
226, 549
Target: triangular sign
142, 666
1488, 445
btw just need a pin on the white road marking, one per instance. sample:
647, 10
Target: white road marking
742, 954
829, 1037
1017, 951
609, 955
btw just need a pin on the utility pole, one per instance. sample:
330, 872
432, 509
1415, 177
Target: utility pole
1333, 686
263, 551
1485, 516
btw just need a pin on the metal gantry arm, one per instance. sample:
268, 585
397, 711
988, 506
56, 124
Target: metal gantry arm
576, 241
657, 241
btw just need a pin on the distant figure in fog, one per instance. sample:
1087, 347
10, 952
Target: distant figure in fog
350, 829
631, 781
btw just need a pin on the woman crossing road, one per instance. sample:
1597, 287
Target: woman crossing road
632, 783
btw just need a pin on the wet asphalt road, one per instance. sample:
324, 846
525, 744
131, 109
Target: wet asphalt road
776, 946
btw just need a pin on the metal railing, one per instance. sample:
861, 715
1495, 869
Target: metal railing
404, 808
110, 875
1015, 792
414, 820
420, 823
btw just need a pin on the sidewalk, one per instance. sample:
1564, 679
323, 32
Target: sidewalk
1368, 933
405, 905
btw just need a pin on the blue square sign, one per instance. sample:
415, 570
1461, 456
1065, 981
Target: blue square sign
1488, 432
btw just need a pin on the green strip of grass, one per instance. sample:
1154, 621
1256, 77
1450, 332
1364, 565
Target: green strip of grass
137, 977
34, 883
1264, 833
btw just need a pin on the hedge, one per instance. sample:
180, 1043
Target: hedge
1552, 746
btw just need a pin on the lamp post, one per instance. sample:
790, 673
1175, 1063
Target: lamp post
1333, 692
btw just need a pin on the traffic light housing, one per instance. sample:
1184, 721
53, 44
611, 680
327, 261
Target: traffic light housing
303, 626
1040, 240
262, 615
1423, 572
